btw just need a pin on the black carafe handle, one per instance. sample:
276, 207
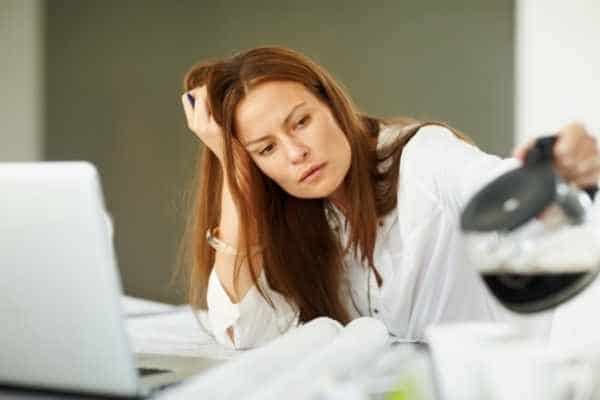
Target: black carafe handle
542, 151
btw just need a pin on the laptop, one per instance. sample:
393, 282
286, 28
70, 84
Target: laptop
60, 308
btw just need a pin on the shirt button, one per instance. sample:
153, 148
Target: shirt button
376, 311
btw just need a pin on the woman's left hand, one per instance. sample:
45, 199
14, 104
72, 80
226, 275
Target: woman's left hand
576, 155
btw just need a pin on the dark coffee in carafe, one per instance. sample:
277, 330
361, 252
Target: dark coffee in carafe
526, 293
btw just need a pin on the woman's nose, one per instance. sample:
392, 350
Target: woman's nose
298, 152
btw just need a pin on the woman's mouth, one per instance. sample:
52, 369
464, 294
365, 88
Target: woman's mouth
313, 174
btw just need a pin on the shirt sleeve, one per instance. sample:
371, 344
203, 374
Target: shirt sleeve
253, 320
450, 171
452, 168
455, 170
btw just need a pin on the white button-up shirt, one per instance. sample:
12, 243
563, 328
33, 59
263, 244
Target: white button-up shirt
419, 253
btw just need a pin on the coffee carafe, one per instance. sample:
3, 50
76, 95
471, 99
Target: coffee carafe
533, 238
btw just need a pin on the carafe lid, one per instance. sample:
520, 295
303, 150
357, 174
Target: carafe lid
516, 196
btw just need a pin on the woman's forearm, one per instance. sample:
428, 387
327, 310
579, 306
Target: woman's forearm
224, 263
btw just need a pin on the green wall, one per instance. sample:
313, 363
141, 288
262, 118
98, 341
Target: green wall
113, 75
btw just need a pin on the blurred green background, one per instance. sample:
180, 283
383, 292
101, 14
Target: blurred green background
107, 81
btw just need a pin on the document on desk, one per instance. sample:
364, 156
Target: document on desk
291, 366
351, 351
172, 330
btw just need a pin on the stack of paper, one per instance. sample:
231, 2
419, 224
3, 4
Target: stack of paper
350, 351
158, 328
240, 377
295, 365
320, 358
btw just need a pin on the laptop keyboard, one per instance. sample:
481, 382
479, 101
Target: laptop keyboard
151, 371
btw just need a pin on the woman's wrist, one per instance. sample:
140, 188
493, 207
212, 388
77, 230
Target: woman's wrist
213, 239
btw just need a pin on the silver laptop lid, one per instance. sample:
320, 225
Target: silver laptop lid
59, 284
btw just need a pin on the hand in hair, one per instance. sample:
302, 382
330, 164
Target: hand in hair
201, 122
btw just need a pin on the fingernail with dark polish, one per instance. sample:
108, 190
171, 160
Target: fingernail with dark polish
191, 99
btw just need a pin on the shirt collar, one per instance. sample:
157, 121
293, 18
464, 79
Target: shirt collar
386, 135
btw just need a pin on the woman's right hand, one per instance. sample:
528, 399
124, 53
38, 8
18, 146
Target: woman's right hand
201, 122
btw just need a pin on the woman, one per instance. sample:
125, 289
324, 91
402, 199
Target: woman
311, 208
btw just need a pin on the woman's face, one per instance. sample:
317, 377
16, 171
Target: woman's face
289, 132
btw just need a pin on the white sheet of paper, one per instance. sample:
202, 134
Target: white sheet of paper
174, 331
351, 351
255, 368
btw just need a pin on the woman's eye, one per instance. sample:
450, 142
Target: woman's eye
303, 121
266, 150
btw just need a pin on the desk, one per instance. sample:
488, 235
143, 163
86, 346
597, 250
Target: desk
183, 367
24, 394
